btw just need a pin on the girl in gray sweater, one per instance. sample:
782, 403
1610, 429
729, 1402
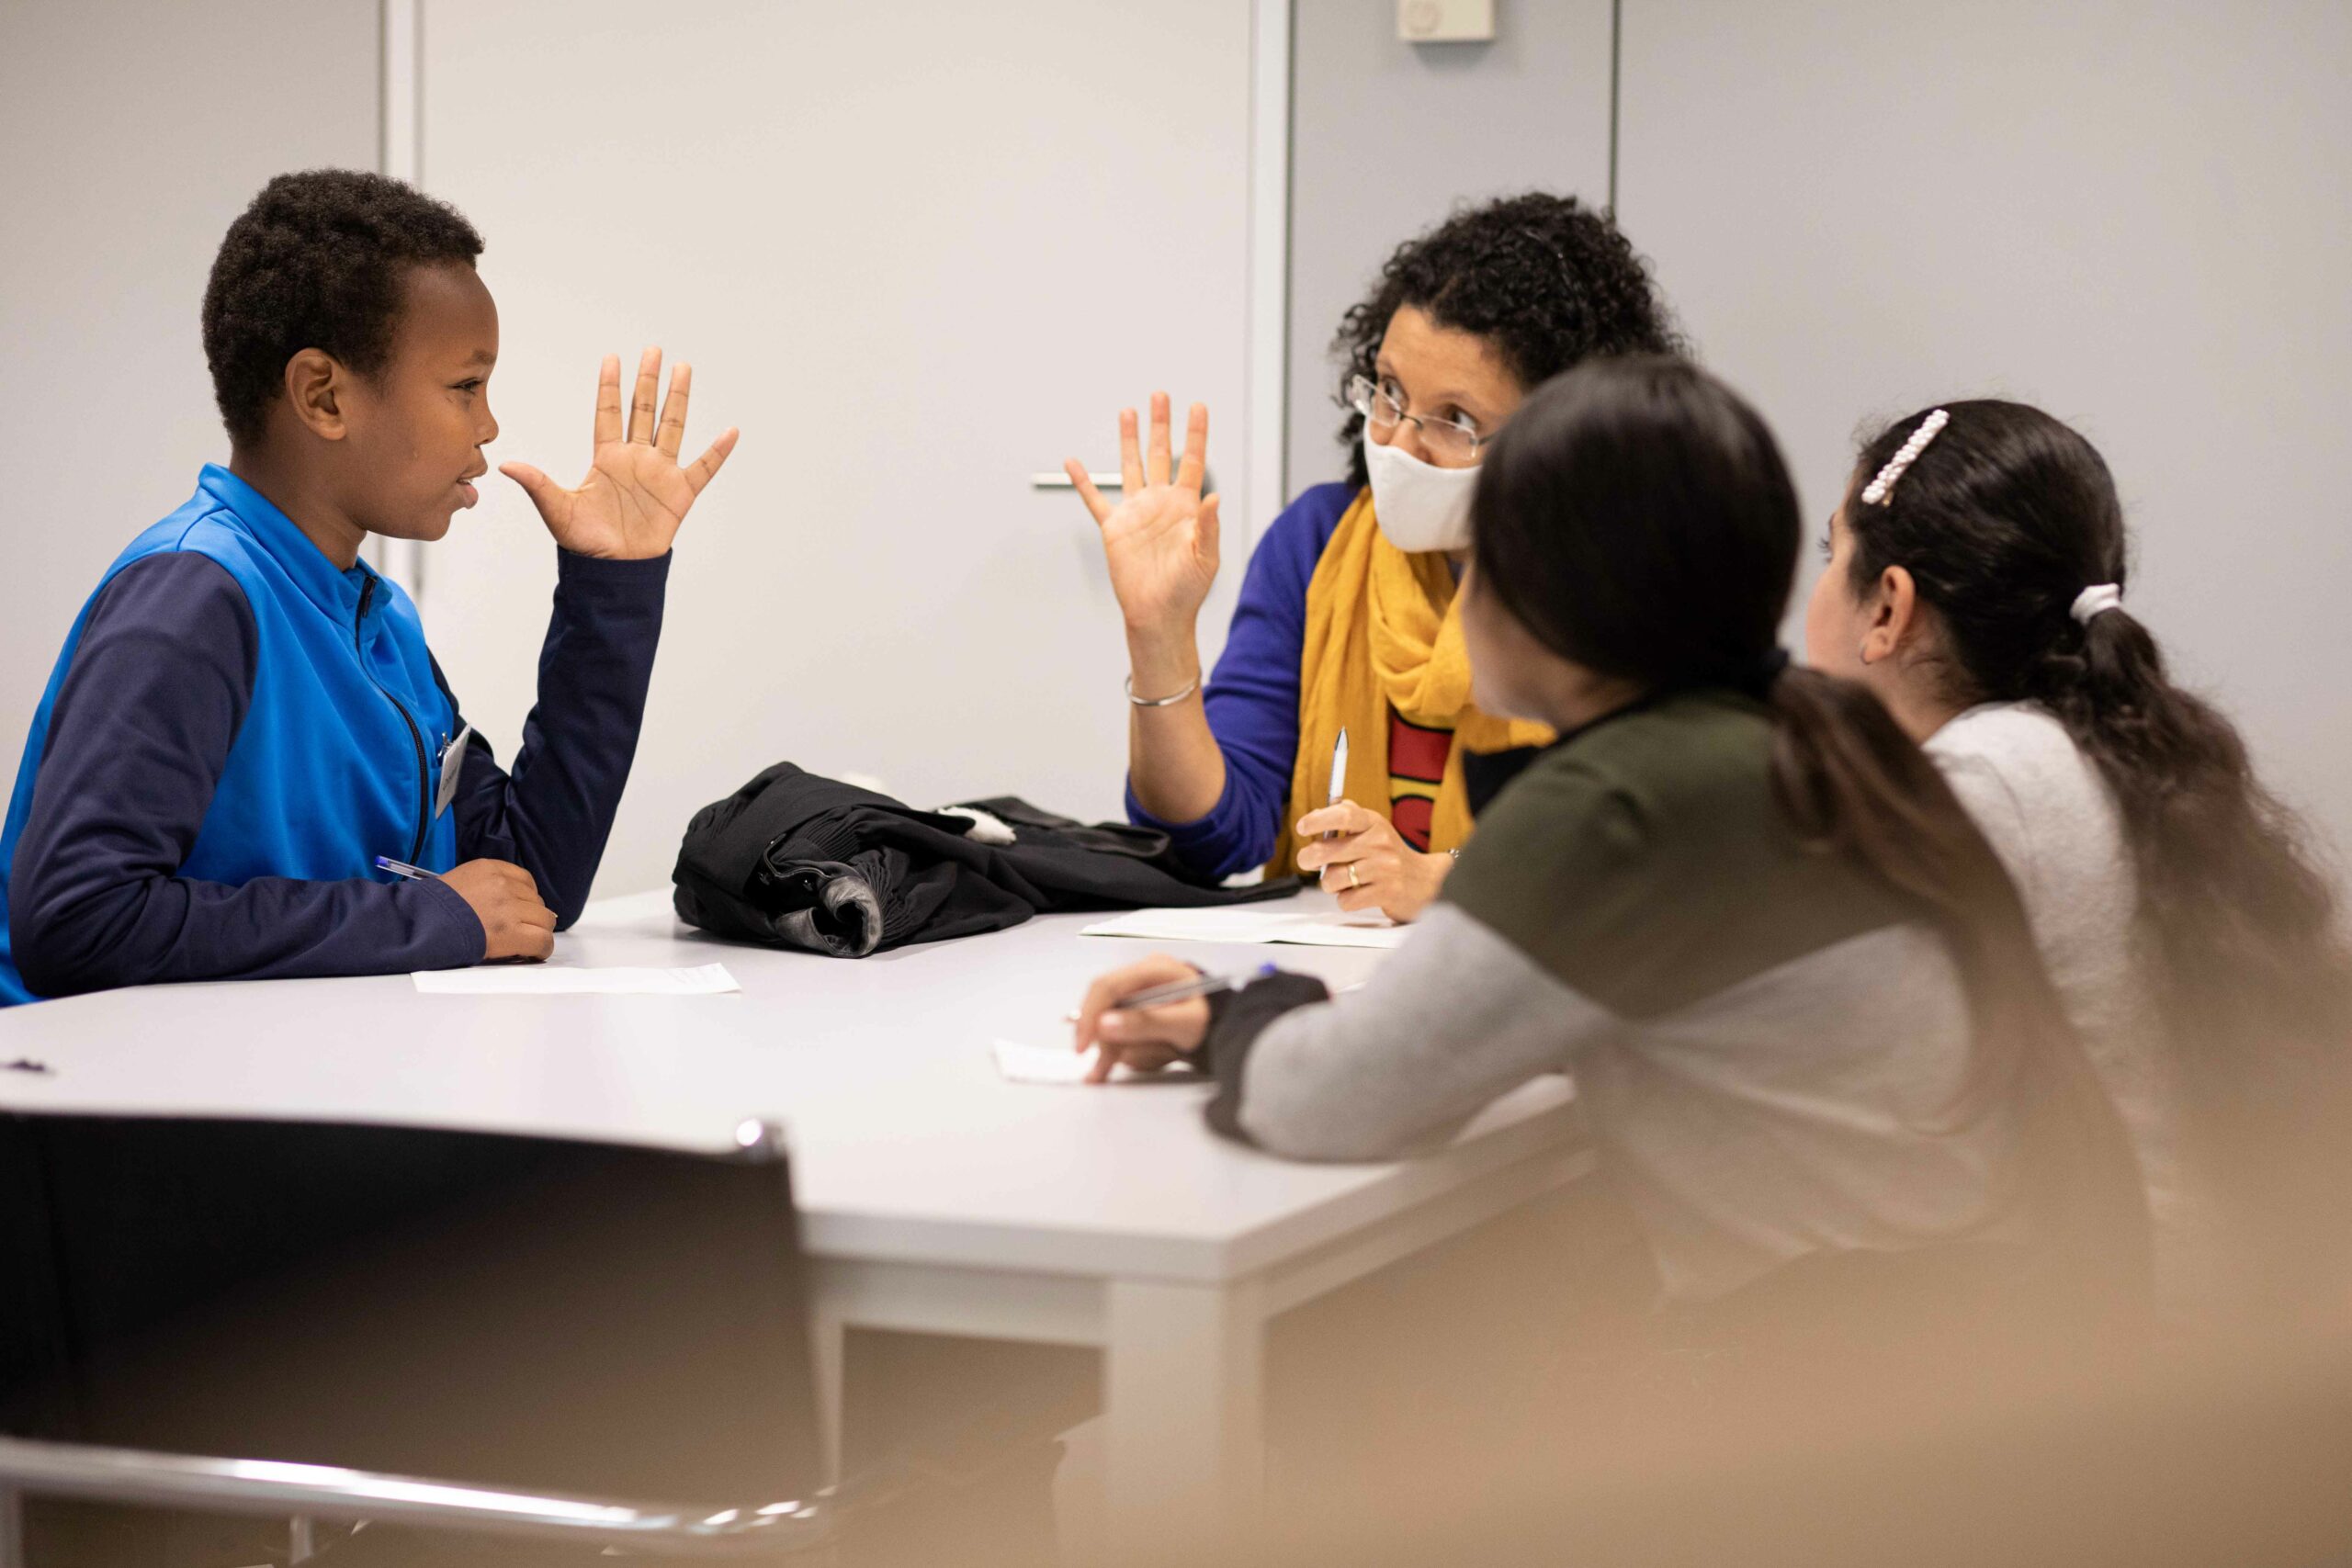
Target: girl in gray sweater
1799, 999
1976, 583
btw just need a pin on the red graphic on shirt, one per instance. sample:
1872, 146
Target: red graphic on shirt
1413, 815
1417, 757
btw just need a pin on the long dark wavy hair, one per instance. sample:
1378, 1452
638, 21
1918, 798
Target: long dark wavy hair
1545, 280
2002, 520
1636, 517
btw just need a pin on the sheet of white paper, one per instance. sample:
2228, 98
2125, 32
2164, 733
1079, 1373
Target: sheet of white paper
548, 979
1054, 1063
1243, 923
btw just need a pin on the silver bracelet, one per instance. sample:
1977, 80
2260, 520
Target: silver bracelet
1192, 686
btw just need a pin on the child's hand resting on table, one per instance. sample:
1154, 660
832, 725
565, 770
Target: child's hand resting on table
515, 922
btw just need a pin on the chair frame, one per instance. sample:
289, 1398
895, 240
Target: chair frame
303, 1492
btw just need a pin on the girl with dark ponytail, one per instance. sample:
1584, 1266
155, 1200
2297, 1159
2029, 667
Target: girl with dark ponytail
1800, 999
1976, 580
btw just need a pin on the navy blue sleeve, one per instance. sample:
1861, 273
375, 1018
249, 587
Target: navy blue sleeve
553, 813
1252, 697
138, 739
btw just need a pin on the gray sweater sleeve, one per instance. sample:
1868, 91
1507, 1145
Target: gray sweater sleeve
1454, 1018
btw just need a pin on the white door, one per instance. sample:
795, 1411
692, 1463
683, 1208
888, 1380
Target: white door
919, 253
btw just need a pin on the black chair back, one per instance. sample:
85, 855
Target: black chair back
515, 1312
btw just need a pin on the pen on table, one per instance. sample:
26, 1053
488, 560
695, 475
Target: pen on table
1339, 775
401, 868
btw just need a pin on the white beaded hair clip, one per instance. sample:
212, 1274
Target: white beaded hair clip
1878, 489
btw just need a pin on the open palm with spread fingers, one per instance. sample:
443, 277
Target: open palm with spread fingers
635, 495
1160, 539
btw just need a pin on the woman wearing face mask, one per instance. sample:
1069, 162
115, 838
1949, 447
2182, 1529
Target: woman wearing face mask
1347, 619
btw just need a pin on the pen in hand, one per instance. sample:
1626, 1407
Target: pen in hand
504, 896
1338, 776
1180, 991
1185, 990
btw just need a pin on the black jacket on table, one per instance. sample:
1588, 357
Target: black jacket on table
795, 860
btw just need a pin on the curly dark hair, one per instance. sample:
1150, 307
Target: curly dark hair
1544, 278
315, 262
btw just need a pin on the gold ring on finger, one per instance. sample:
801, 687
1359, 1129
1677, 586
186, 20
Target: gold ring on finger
1354, 881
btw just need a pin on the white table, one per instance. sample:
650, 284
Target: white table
936, 1197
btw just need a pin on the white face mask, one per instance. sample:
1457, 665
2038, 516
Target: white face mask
1419, 505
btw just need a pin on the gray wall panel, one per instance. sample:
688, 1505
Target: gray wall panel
137, 131
1388, 137
2136, 214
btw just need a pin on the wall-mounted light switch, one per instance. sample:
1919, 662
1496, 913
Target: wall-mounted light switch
1445, 21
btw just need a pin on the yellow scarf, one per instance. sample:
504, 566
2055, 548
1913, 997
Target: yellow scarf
1383, 631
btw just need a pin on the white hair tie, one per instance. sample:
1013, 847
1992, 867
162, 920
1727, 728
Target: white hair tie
2098, 596
1878, 489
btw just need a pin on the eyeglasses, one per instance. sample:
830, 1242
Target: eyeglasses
1451, 442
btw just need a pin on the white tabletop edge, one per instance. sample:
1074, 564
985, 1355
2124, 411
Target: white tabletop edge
907, 1146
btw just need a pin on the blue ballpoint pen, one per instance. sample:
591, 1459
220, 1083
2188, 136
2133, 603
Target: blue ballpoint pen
401, 868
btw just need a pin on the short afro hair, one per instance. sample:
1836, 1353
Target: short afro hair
316, 261
1545, 279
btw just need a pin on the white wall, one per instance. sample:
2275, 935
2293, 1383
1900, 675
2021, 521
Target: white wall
917, 262
136, 132
2135, 213
1388, 137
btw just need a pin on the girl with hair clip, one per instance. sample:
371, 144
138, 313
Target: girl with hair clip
1799, 996
1976, 583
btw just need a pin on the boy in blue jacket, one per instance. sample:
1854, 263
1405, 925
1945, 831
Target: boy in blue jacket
245, 717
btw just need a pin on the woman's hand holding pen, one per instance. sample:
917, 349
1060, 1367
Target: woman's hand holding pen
1145, 1039
1369, 864
515, 922
635, 495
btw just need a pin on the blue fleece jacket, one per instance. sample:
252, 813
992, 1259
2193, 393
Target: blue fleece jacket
236, 728
1253, 696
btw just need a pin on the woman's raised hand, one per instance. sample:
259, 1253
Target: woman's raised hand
1160, 539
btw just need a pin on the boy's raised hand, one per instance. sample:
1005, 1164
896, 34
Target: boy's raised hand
635, 495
